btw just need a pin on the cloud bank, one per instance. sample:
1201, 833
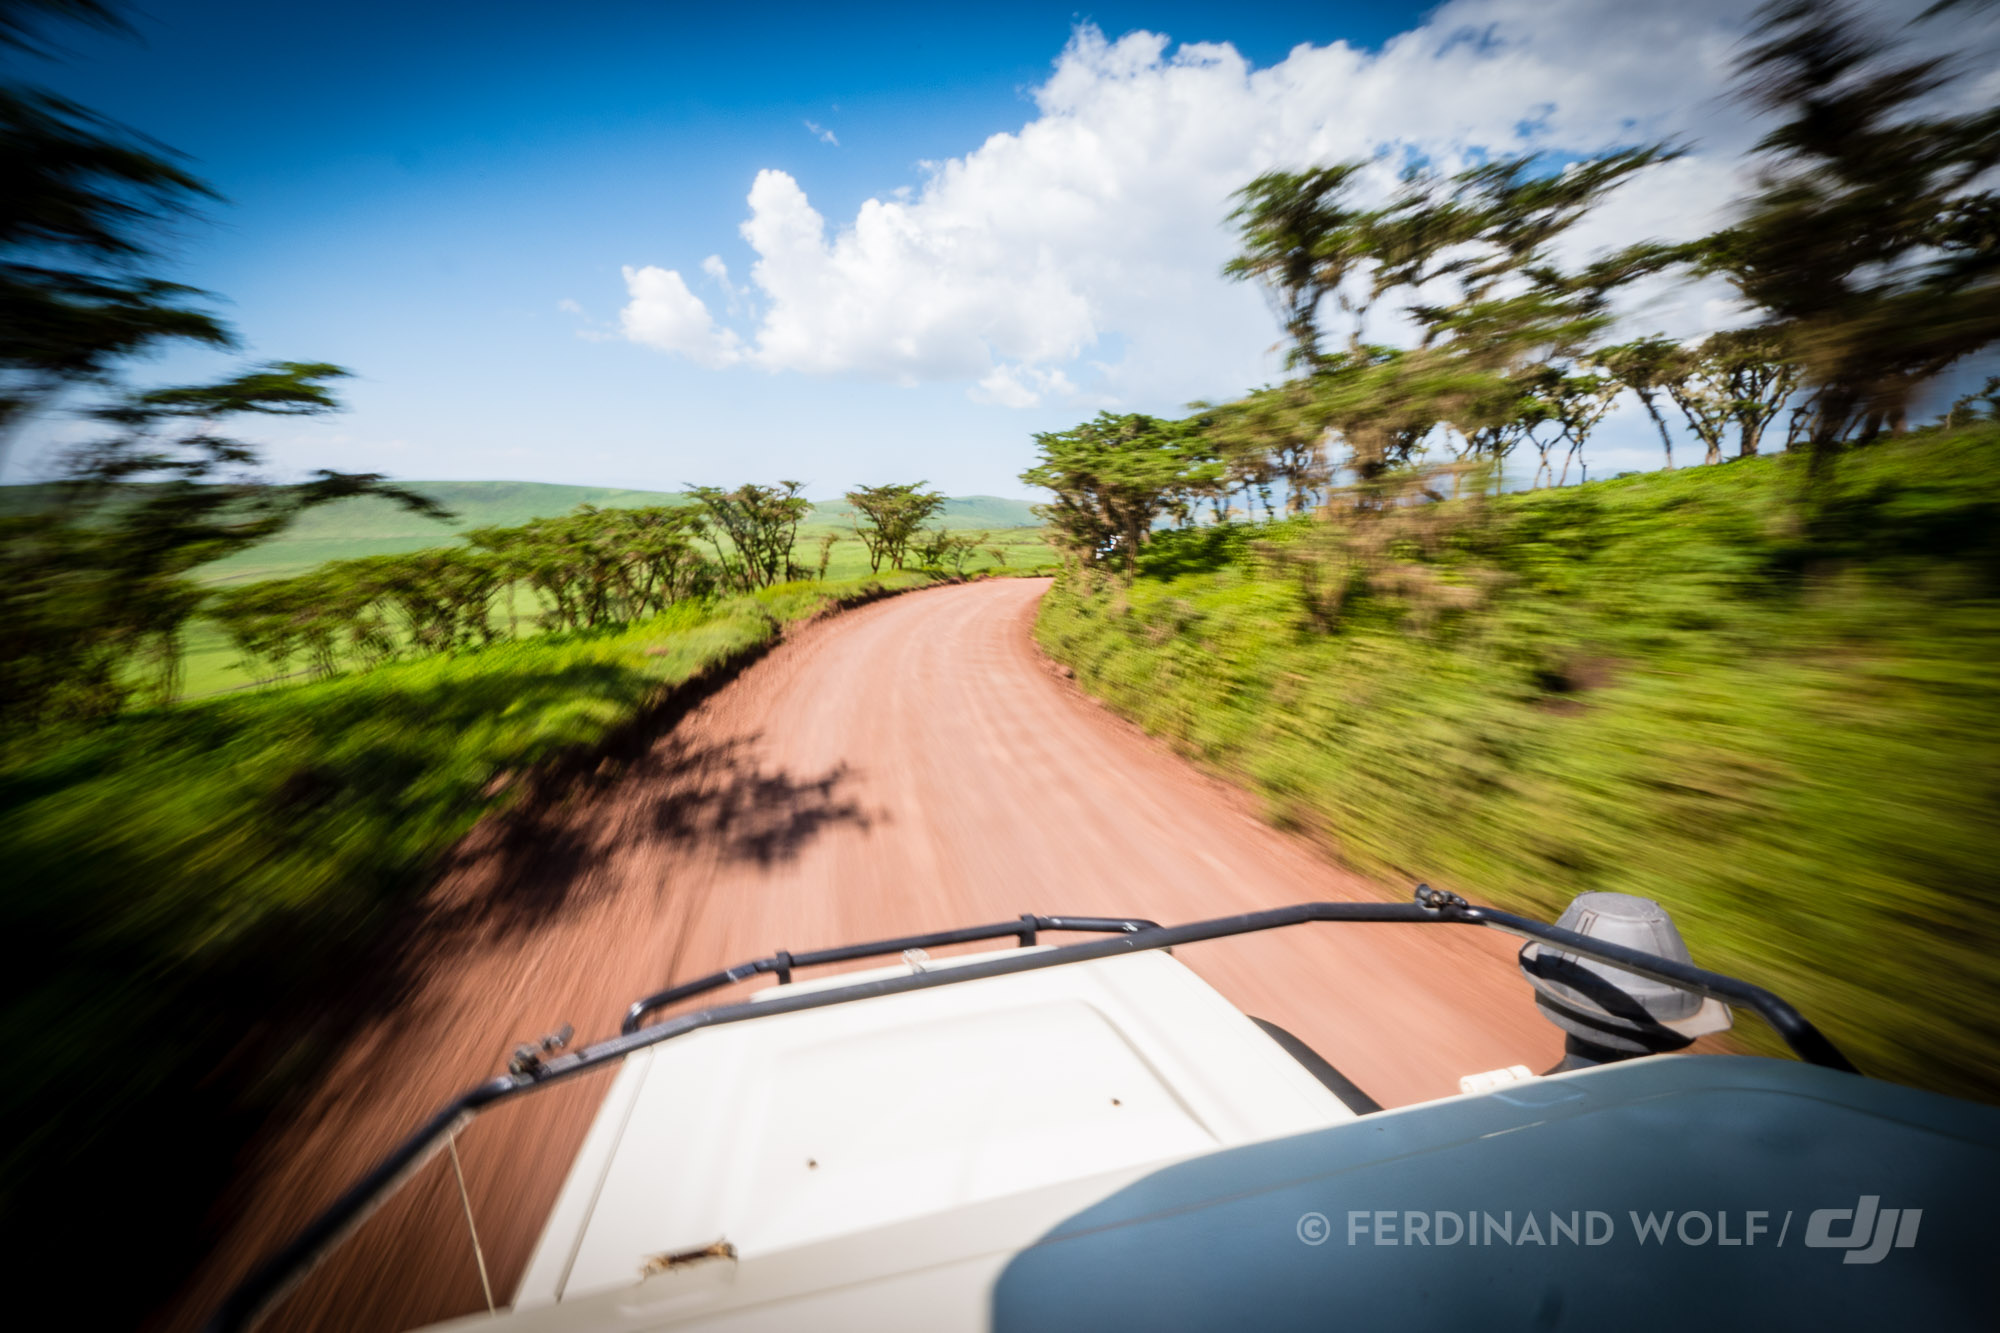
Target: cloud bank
1078, 259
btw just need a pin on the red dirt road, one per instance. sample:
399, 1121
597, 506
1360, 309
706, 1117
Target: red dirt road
908, 766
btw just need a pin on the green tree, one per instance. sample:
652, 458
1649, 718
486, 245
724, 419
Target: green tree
1473, 257
1577, 403
826, 543
1756, 371
761, 524
1739, 378
942, 549
1112, 477
1966, 407
86, 207
97, 593
1496, 422
1870, 240
1646, 366
95, 589
1276, 434
887, 517
1301, 241
1702, 395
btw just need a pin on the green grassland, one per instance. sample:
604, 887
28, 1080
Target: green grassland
190, 885
366, 525
1775, 714
212, 664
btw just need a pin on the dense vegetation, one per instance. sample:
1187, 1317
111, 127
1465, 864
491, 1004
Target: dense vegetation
1865, 259
1656, 685
1763, 693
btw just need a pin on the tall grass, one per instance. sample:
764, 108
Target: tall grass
1773, 711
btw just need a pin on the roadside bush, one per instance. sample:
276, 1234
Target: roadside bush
1666, 685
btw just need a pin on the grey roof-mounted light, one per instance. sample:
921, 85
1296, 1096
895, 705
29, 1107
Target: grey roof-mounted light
1610, 1013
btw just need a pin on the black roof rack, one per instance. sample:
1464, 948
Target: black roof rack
534, 1068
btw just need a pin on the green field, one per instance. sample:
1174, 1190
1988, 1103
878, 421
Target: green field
1775, 715
367, 526
212, 664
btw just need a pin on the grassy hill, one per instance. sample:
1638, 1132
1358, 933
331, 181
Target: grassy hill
1774, 713
369, 526
983, 512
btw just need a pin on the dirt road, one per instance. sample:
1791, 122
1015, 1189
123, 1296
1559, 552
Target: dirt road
909, 766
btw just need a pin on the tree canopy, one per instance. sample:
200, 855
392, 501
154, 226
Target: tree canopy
887, 517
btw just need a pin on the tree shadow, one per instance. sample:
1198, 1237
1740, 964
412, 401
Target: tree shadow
554, 854
725, 798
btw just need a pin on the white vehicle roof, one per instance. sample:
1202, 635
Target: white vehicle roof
911, 1142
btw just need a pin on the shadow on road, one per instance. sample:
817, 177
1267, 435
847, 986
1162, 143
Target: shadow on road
556, 854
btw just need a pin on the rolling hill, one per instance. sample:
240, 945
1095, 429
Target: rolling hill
369, 526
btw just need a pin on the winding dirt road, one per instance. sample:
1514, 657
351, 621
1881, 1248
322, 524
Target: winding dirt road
911, 765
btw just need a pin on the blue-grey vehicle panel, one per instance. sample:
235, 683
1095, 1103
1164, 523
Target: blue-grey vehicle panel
1682, 1192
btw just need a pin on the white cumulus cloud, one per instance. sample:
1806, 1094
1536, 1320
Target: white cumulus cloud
1077, 258
663, 313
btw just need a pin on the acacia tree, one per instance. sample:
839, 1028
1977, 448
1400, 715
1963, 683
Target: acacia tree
889, 516
827, 541
1577, 403
1739, 378
942, 549
1111, 477
1473, 257
662, 564
1301, 242
761, 524
1646, 366
1756, 373
1494, 423
1870, 241
1705, 404
602, 566
1277, 434
95, 587
589, 568
1484, 235
1966, 407
86, 209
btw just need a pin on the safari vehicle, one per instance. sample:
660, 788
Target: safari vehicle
1088, 1136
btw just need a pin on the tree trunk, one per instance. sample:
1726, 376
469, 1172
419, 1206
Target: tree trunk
1661, 422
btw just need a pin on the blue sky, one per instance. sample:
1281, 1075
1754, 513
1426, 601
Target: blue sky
498, 213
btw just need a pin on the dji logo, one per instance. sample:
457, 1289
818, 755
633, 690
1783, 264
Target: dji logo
1872, 1231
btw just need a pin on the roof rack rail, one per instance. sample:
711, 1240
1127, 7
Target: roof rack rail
1025, 929
272, 1279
